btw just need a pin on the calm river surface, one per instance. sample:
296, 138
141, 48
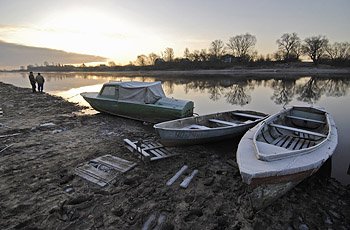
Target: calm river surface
221, 93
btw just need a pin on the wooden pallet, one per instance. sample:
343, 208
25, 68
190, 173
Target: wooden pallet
103, 170
148, 150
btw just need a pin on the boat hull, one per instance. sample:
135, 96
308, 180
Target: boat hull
152, 113
179, 132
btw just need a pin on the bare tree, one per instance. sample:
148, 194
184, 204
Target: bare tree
338, 51
186, 53
217, 48
111, 64
315, 47
141, 60
289, 45
242, 45
169, 54
152, 57
194, 56
203, 56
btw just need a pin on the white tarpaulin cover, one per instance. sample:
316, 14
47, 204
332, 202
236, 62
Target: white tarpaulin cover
143, 92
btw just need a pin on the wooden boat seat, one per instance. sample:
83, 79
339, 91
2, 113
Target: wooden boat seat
247, 115
297, 130
202, 127
306, 119
223, 122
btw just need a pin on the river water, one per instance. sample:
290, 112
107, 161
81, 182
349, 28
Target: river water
216, 93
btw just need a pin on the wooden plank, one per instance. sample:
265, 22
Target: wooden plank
154, 151
133, 145
293, 144
306, 119
282, 141
95, 175
194, 126
300, 143
163, 157
247, 115
223, 122
116, 163
90, 177
278, 139
306, 144
153, 147
160, 152
287, 142
10, 135
312, 143
7, 146
297, 130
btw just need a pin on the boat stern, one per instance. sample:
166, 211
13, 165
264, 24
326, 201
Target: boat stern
183, 108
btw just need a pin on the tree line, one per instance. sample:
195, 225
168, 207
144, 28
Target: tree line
241, 49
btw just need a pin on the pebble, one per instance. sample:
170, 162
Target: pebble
118, 211
69, 190
303, 227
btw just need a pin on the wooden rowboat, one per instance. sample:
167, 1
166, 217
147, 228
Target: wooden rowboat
207, 128
280, 152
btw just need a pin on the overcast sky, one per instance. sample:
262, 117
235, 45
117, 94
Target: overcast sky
121, 30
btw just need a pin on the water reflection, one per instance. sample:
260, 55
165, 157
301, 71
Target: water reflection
237, 92
237, 95
283, 91
221, 93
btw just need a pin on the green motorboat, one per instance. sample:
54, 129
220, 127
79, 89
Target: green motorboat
144, 101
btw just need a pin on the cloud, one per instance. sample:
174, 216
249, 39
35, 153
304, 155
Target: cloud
15, 55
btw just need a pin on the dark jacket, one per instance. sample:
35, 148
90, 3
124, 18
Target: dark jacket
40, 79
31, 78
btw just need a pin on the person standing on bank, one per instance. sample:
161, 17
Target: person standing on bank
40, 80
32, 81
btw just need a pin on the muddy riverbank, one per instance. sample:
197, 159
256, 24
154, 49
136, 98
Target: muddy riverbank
44, 138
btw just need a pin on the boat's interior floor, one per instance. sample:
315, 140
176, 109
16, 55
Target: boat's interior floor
294, 141
284, 134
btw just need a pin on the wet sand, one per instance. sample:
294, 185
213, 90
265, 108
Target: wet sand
38, 166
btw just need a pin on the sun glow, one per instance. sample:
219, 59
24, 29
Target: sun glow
89, 31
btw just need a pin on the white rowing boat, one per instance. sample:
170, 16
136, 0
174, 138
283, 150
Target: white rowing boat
287, 147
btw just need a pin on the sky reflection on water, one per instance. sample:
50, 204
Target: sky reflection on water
219, 93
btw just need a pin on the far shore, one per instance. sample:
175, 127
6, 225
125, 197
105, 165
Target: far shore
234, 71
249, 71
